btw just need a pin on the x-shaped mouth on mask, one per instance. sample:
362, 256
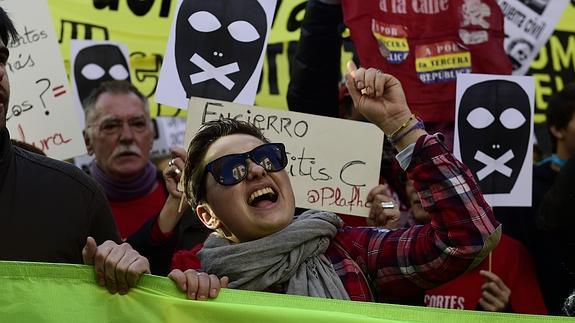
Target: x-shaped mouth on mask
494, 165
209, 72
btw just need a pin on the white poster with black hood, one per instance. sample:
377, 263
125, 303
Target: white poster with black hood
494, 135
215, 50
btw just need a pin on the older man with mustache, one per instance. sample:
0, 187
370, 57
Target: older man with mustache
119, 133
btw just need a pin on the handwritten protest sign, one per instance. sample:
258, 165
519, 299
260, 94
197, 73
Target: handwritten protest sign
494, 135
215, 50
332, 163
528, 25
41, 110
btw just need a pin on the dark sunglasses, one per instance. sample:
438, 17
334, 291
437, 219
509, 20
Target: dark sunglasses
232, 169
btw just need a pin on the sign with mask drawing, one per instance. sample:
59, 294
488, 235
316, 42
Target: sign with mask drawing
493, 135
215, 50
94, 62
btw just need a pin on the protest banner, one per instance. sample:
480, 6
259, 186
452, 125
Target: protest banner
41, 110
144, 26
332, 163
494, 135
61, 293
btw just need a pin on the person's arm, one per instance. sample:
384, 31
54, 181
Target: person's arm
462, 229
157, 238
173, 209
151, 243
102, 224
118, 266
315, 70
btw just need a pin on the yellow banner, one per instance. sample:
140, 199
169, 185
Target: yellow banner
555, 64
144, 26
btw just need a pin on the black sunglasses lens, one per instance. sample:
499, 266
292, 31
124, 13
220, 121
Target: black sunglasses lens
232, 169
229, 170
271, 157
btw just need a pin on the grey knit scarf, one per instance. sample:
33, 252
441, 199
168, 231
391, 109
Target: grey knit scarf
294, 255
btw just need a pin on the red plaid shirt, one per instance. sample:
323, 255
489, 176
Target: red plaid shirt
382, 265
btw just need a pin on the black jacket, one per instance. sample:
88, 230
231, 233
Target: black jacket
48, 208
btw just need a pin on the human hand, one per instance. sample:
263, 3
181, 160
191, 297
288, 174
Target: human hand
173, 172
378, 97
198, 285
495, 294
118, 267
378, 216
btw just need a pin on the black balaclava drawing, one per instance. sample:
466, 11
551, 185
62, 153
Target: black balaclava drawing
96, 64
494, 128
218, 45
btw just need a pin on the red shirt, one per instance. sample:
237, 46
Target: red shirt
425, 44
513, 264
131, 215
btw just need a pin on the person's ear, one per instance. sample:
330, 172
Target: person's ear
207, 216
88, 142
557, 133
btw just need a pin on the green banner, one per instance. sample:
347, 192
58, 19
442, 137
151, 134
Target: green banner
59, 293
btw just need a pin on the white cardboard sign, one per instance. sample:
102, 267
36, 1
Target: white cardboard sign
41, 110
332, 163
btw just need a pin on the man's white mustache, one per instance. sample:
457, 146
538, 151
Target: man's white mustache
122, 149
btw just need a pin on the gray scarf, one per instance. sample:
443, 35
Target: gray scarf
294, 255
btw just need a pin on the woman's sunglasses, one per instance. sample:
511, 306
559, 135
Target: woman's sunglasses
232, 169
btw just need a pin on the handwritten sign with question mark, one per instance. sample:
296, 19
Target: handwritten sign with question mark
41, 110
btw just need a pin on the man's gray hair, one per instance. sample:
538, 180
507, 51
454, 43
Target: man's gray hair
114, 87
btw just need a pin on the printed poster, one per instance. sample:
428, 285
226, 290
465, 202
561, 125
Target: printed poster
215, 50
494, 135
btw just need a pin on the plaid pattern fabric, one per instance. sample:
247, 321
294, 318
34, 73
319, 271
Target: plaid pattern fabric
382, 265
